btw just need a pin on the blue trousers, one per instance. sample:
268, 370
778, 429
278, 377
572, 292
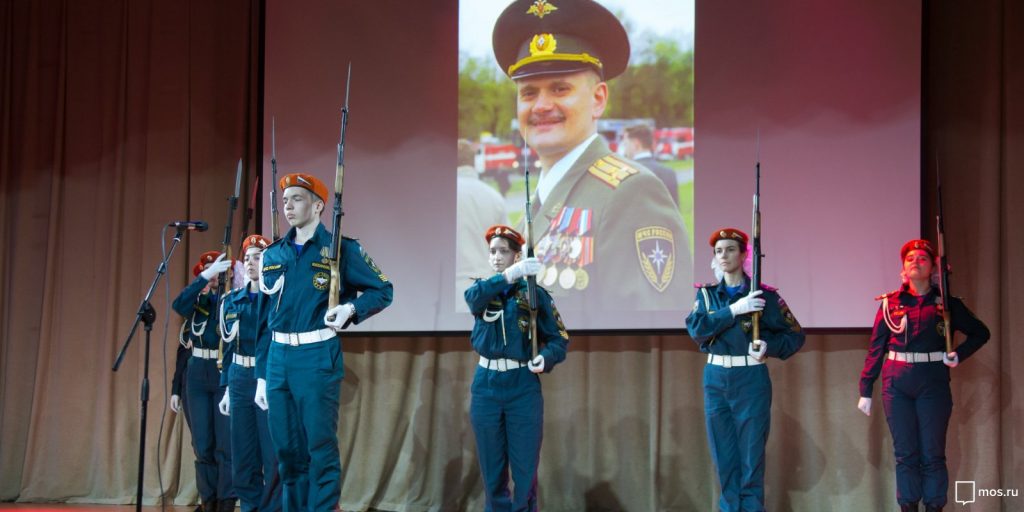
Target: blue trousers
507, 413
254, 465
737, 413
210, 431
918, 404
303, 391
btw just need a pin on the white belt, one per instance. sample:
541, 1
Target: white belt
731, 361
204, 353
302, 338
501, 365
915, 357
244, 361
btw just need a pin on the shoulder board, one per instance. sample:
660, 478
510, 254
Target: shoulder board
703, 285
612, 171
889, 294
349, 238
768, 288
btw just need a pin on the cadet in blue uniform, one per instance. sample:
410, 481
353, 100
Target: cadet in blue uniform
507, 409
908, 347
299, 363
253, 463
737, 389
210, 431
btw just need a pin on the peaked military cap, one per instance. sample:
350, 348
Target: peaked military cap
541, 37
729, 234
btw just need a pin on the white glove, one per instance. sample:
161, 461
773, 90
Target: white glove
951, 362
338, 315
225, 404
758, 354
176, 403
864, 404
748, 304
261, 394
217, 267
536, 365
527, 267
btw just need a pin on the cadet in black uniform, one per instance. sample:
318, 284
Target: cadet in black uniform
737, 389
908, 348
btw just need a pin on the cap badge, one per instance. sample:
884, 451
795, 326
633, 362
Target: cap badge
541, 8
543, 44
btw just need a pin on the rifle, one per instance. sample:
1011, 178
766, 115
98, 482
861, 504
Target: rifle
755, 268
531, 281
275, 229
228, 274
339, 178
249, 211
943, 265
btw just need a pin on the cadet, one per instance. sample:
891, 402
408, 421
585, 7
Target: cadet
210, 431
611, 233
300, 370
737, 388
507, 409
915, 375
253, 463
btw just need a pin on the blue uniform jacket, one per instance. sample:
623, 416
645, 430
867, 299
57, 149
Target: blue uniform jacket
244, 309
925, 331
200, 311
507, 335
301, 303
713, 327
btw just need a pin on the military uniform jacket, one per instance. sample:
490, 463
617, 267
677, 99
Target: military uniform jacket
300, 282
502, 321
614, 220
713, 327
925, 330
200, 312
243, 309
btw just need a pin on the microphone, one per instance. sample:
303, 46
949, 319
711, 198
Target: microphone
196, 225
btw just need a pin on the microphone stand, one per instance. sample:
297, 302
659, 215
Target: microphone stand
147, 315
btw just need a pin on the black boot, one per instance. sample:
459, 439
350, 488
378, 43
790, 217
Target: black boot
908, 507
932, 508
227, 505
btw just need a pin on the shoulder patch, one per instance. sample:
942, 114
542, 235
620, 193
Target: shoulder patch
612, 171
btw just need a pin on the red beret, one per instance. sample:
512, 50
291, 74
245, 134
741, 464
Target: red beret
923, 245
729, 234
505, 232
258, 241
306, 181
204, 259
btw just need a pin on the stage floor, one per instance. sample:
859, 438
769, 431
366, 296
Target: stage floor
48, 507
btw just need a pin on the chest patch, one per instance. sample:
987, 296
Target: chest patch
321, 280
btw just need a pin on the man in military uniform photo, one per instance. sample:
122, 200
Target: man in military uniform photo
611, 236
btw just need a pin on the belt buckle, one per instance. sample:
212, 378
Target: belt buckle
293, 339
502, 365
727, 361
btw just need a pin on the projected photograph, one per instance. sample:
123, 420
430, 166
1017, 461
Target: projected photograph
595, 101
